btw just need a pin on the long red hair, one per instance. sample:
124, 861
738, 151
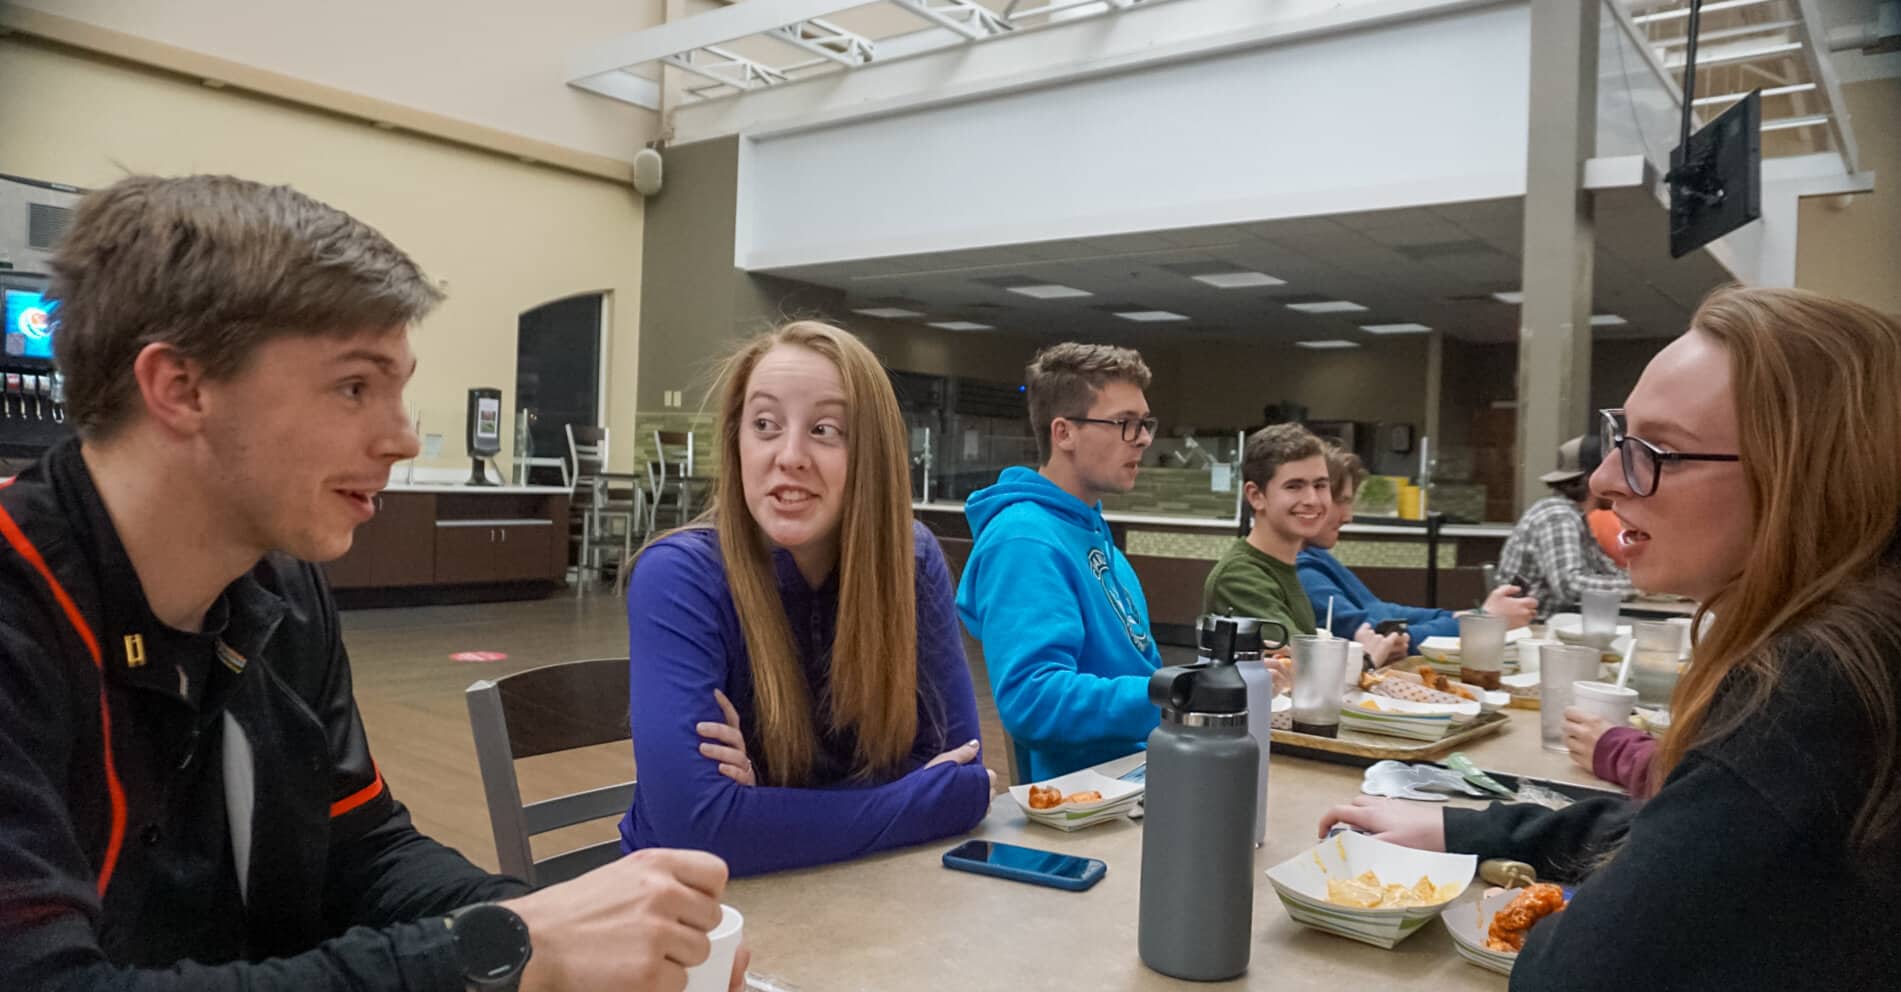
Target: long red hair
874, 677
1819, 429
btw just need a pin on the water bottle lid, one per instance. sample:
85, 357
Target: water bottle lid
1199, 688
1223, 638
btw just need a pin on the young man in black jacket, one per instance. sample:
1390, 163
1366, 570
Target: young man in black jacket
187, 797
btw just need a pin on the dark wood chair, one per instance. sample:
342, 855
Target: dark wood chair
541, 711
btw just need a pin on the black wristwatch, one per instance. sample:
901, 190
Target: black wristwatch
491, 943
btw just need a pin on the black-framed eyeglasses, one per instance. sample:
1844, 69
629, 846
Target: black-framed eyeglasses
1130, 427
1643, 461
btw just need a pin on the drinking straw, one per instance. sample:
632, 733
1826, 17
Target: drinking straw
1623, 670
1327, 631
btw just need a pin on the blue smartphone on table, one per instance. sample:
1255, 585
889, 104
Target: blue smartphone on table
1026, 864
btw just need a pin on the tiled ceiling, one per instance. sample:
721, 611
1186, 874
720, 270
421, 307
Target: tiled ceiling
1436, 266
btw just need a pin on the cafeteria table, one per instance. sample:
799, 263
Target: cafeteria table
901, 922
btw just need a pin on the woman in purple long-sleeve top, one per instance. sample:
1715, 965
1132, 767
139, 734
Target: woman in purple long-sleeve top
1619, 755
798, 692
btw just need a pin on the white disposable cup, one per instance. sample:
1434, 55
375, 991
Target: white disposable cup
1599, 616
1683, 625
1613, 704
1529, 651
1356, 663
715, 974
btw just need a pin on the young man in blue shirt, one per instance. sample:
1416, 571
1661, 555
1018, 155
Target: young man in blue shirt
1324, 578
1062, 618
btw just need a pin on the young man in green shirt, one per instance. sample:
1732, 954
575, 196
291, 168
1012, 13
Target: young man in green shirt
1284, 478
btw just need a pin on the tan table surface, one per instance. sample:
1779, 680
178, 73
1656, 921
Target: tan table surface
901, 922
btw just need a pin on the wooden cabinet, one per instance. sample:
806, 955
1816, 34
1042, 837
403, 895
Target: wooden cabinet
397, 547
506, 550
455, 539
406, 546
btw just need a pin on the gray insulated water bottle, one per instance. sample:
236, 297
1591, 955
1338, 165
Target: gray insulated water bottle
1242, 642
1197, 903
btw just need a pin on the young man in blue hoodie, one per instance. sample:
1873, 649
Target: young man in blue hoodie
1354, 605
1062, 618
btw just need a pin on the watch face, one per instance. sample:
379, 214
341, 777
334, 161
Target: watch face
492, 943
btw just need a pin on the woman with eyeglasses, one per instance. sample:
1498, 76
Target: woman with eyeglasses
1755, 468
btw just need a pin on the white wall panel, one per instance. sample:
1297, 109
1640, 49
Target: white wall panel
1418, 112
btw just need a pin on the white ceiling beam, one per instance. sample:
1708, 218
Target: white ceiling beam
1684, 12
961, 16
827, 41
623, 86
1618, 171
1759, 71
1731, 57
1058, 6
686, 63
1790, 123
714, 27
1708, 101
727, 68
911, 71
1740, 32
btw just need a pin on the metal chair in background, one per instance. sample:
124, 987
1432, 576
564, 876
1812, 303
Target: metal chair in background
525, 470
671, 480
598, 512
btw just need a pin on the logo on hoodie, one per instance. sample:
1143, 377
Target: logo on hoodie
1119, 600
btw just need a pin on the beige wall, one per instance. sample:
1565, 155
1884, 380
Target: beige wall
489, 62
1615, 366
503, 235
1851, 246
1475, 376
1478, 375
986, 355
1225, 385
699, 305
1203, 385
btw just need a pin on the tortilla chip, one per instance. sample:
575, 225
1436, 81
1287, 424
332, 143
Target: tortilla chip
1368, 892
1352, 892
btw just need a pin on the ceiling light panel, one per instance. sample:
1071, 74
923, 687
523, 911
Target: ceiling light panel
889, 313
1327, 306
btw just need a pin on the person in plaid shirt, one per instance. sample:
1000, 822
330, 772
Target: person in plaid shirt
1551, 554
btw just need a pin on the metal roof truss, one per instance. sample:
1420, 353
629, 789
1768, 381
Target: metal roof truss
707, 46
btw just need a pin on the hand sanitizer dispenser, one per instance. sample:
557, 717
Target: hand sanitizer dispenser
485, 432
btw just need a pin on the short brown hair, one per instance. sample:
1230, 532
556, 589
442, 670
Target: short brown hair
214, 266
1063, 380
1271, 447
1345, 472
